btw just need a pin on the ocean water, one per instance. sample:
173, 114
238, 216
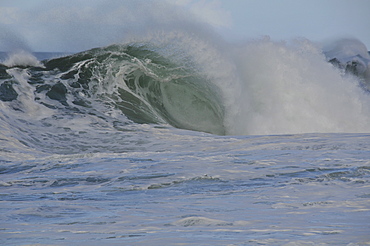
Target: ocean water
179, 140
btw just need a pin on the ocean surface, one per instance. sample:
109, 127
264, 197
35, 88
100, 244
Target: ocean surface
178, 140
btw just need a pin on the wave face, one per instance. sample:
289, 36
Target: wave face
145, 85
189, 82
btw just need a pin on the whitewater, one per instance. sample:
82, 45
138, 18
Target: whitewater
179, 137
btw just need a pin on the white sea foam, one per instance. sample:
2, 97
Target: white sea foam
201, 221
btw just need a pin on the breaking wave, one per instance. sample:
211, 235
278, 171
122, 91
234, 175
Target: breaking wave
189, 82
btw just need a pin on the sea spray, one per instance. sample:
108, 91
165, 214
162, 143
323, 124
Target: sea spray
291, 88
21, 58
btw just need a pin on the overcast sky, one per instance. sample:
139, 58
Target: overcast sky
76, 25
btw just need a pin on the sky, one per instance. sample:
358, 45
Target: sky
77, 25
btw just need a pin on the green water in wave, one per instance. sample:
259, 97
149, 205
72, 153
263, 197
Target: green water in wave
145, 85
